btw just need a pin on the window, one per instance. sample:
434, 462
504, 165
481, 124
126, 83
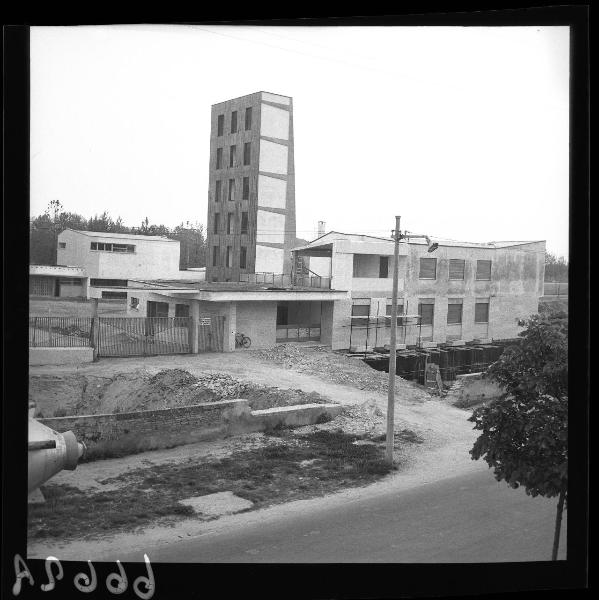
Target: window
215, 257
246, 189
229, 222
454, 311
218, 190
248, 118
108, 282
62, 244
234, 122
216, 222
229, 256
483, 270
181, 310
456, 268
219, 158
247, 153
232, 152
134, 303
428, 268
426, 311
130, 248
383, 267
231, 190
244, 222
220, 125
481, 311
242, 257
123, 248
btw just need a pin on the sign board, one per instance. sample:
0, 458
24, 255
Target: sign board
205, 321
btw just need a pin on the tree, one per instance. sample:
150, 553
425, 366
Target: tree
556, 268
524, 435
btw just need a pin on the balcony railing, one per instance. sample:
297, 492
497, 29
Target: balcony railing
286, 281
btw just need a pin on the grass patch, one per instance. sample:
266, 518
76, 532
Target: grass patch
268, 475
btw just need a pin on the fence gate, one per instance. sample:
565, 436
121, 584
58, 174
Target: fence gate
143, 336
211, 334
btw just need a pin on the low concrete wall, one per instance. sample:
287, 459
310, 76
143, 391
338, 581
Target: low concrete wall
127, 433
60, 356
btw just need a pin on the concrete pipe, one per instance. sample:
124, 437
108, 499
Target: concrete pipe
50, 452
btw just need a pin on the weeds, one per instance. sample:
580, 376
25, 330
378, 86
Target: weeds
271, 474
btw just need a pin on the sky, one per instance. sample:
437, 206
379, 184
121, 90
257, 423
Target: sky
462, 131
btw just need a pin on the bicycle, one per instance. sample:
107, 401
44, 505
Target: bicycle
242, 341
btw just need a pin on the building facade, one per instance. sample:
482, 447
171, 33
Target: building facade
459, 293
58, 281
251, 197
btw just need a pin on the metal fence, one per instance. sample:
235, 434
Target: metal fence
143, 336
59, 332
555, 289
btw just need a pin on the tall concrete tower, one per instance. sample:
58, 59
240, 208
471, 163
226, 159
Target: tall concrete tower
251, 199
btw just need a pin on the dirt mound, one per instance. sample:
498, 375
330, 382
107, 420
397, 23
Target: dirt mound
68, 395
340, 368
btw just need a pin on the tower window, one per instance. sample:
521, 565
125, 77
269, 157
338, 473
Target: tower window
231, 190
246, 189
218, 190
229, 256
247, 153
229, 222
220, 125
234, 122
242, 257
219, 158
215, 256
244, 222
483, 270
216, 222
248, 118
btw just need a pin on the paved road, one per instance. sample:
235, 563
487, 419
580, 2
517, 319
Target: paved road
471, 518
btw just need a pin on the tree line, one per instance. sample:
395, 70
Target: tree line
556, 268
44, 230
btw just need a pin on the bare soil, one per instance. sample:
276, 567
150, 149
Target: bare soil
432, 440
139, 390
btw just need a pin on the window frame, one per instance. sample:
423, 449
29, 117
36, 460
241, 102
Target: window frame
234, 125
219, 158
461, 313
463, 269
244, 221
478, 262
243, 257
247, 154
248, 111
420, 305
476, 305
427, 258
220, 125
232, 155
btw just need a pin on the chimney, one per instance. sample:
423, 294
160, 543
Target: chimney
321, 226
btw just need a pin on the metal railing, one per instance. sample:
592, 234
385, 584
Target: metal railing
59, 332
555, 289
283, 281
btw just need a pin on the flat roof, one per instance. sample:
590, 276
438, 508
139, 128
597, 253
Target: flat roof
442, 242
123, 236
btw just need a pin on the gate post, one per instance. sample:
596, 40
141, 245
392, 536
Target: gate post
194, 324
94, 329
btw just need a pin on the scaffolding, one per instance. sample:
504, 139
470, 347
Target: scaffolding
372, 324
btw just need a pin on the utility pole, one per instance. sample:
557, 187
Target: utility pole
393, 346
432, 246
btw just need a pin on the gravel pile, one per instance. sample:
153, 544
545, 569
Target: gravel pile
339, 368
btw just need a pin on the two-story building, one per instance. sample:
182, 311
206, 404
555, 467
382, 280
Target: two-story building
115, 260
460, 292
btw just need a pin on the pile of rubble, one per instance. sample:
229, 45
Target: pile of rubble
339, 368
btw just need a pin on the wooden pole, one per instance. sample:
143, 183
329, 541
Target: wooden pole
393, 347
